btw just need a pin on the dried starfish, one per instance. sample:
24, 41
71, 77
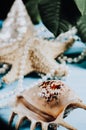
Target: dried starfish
17, 28
48, 103
41, 53
41, 58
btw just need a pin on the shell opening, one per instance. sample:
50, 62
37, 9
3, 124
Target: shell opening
68, 109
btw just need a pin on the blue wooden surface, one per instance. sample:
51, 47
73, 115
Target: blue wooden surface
1, 22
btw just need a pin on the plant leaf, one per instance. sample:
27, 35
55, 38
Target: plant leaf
70, 11
63, 26
81, 26
50, 14
81, 4
32, 8
58, 15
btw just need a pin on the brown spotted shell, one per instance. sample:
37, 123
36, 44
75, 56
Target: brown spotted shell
47, 103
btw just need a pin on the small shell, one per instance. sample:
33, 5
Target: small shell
47, 103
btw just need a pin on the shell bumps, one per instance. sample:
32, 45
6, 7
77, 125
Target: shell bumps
48, 104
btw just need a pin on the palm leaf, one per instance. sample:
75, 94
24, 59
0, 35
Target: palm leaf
81, 26
58, 15
81, 4
50, 14
70, 11
32, 8
63, 26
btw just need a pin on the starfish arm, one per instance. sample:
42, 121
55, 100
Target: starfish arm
54, 48
13, 74
59, 48
41, 62
50, 65
17, 29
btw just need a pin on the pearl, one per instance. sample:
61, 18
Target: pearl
66, 35
80, 57
69, 60
65, 58
4, 68
82, 53
59, 58
75, 60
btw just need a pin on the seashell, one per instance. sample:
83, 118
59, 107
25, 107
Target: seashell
48, 104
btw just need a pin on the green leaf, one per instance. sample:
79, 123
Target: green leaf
81, 4
81, 26
50, 14
59, 15
70, 11
32, 8
63, 26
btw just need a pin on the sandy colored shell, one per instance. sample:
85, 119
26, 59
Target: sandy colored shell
47, 103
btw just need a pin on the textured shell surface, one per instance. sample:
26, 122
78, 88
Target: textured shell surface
48, 104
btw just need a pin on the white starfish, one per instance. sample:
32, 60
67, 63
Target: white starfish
41, 53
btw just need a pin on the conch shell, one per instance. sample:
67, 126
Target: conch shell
48, 104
